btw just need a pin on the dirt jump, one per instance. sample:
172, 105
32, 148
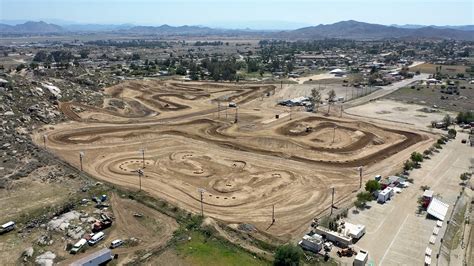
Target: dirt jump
195, 143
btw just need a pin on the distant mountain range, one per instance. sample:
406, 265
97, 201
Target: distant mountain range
341, 30
414, 26
365, 31
31, 27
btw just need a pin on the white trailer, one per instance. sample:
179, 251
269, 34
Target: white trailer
361, 258
385, 195
97, 258
338, 239
312, 243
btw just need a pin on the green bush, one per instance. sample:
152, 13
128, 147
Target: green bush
408, 165
288, 255
372, 185
364, 196
452, 133
416, 157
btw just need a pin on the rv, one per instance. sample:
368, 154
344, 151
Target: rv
96, 238
7, 227
78, 246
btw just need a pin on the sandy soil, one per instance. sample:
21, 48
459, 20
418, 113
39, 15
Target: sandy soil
245, 167
153, 230
398, 112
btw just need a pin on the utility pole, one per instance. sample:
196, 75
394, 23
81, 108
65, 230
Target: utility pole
332, 201
140, 174
218, 109
273, 214
142, 151
81, 157
201, 192
227, 107
290, 111
360, 177
334, 134
236, 114
44, 140
342, 106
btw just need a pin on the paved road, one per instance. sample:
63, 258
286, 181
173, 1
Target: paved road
395, 234
384, 90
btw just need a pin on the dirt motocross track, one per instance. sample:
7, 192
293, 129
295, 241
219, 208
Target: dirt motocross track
245, 168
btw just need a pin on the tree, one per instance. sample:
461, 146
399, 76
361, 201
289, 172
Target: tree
447, 120
181, 71
464, 176
135, 56
372, 186
416, 157
331, 97
40, 56
84, 53
452, 133
364, 196
20, 67
359, 204
287, 255
408, 165
315, 98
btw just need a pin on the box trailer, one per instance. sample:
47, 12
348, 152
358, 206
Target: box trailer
100, 257
338, 239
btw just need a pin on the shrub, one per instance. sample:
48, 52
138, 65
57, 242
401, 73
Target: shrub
464, 176
452, 133
416, 157
372, 185
408, 165
364, 196
287, 255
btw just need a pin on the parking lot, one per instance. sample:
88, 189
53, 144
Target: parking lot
395, 233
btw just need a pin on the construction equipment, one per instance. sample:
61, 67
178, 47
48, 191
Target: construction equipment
346, 252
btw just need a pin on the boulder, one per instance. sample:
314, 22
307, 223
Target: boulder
45, 259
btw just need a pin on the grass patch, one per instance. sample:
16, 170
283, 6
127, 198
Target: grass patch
454, 231
201, 250
445, 69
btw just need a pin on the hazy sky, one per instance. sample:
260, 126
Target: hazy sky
232, 13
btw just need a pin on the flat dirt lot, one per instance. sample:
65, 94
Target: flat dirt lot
431, 95
406, 114
445, 69
245, 168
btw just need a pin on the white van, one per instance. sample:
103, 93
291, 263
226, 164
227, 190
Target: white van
6, 227
78, 246
96, 238
116, 243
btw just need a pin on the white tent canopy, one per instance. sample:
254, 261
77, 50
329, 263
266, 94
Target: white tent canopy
438, 209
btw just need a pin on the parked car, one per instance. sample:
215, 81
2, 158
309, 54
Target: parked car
116, 243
